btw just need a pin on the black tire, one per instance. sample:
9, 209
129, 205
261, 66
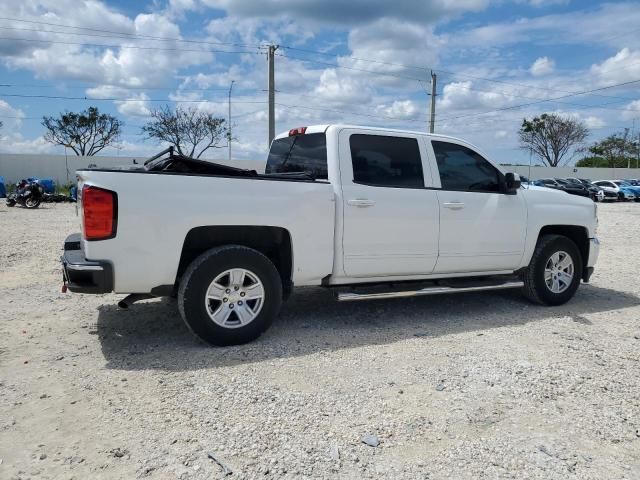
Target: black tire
199, 276
33, 205
11, 202
535, 287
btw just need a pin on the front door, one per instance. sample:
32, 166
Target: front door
481, 228
390, 220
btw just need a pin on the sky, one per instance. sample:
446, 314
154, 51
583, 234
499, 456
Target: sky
364, 62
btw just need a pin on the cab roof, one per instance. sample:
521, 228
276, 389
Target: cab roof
323, 128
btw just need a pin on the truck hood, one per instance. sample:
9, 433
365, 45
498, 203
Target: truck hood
545, 194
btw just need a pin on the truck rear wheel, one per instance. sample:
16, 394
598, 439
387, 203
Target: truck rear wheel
554, 271
229, 295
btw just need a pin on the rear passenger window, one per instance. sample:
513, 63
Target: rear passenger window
384, 161
299, 154
463, 169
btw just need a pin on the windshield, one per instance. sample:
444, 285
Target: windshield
299, 154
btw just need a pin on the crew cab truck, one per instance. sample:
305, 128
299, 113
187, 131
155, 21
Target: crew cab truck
372, 213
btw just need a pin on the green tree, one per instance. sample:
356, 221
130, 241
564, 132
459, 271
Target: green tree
86, 132
599, 162
191, 131
615, 151
552, 138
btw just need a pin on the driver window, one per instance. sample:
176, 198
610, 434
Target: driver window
462, 169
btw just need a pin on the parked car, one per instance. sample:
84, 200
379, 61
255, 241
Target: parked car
549, 183
623, 193
607, 195
632, 181
368, 212
574, 188
624, 184
595, 193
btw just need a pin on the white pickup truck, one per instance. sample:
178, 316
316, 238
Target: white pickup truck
371, 213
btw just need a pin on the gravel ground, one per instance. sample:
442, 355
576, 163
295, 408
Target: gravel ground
471, 386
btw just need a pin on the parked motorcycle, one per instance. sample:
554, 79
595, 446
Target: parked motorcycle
27, 194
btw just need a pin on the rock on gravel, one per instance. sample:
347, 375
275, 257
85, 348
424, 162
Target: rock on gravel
562, 378
371, 440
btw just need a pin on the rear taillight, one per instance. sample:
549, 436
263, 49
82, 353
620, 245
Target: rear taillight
99, 213
297, 131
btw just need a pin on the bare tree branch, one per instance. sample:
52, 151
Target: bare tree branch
86, 133
189, 130
552, 137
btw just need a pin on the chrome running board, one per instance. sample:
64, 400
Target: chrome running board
436, 290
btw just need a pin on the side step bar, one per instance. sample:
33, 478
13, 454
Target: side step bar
436, 290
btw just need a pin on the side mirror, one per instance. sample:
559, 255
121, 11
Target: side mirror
512, 183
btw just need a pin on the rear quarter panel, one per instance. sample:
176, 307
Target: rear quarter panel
156, 211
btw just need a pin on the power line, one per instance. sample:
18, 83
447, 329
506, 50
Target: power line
134, 47
508, 94
374, 72
427, 68
360, 59
135, 35
60, 97
540, 101
581, 105
119, 87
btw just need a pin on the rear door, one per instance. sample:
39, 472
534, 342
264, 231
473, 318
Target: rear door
481, 228
390, 220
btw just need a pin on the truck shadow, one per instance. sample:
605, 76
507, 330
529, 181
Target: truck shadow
151, 335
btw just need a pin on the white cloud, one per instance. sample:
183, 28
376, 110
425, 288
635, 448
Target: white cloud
544, 3
588, 26
337, 88
404, 109
127, 63
542, 66
594, 122
135, 106
501, 134
393, 43
633, 110
624, 66
461, 96
11, 118
18, 144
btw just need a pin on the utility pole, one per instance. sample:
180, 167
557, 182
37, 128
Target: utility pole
272, 92
637, 145
638, 151
432, 117
624, 147
229, 125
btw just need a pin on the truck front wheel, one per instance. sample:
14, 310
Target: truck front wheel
554, 271
229, 295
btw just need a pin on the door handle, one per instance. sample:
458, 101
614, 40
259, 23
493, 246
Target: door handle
361, 202
453, 205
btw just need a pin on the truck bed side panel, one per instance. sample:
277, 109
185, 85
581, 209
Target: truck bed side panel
156, 211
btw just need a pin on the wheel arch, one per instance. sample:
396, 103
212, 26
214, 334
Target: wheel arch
273, 242
577, 234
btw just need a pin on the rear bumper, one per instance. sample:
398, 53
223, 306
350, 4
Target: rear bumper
81, 275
